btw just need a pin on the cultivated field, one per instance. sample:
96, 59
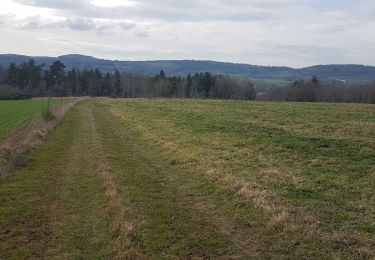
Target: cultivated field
14, 114
187, 179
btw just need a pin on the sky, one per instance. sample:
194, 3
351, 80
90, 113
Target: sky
295, 33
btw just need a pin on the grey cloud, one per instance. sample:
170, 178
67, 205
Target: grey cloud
126, 25
29, 25
287, 32
35, 23
366, 10
56, 4
168, 10
141, 34
200, 11
80, 24
104, 27
3, 19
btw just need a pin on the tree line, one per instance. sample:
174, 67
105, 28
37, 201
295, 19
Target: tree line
31, 80
314, 90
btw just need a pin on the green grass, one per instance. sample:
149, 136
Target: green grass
14, 114
185, 179
55, 206
315, 162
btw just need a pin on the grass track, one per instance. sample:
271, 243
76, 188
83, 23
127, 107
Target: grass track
185, 179
53, 208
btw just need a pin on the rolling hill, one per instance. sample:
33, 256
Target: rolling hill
183, 67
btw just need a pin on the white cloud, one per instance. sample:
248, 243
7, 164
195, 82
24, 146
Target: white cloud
273, 32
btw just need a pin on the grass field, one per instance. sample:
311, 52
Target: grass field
188, 179
14, 114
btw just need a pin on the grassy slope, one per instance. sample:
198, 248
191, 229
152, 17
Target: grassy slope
184, 179
13, 114
309, 167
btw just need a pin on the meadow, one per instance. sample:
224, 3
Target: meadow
157, 178
15, 114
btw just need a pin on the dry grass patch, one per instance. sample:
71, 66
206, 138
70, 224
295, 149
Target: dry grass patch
279, 222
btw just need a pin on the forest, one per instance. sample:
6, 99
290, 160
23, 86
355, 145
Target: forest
314, 90
29, 80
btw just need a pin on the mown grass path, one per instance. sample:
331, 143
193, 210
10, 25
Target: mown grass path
174, 214
91, 191
99, 188
55, 206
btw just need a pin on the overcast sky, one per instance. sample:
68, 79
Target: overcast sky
265, 32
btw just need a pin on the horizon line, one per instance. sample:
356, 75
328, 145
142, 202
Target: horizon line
185, 59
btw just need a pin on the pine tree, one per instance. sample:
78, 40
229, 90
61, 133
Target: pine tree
188, 86
57, 76
162, 74
12, 74
117, 84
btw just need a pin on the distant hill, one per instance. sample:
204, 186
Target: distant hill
183, 67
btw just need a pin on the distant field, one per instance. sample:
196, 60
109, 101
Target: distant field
14, 114
179, 179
